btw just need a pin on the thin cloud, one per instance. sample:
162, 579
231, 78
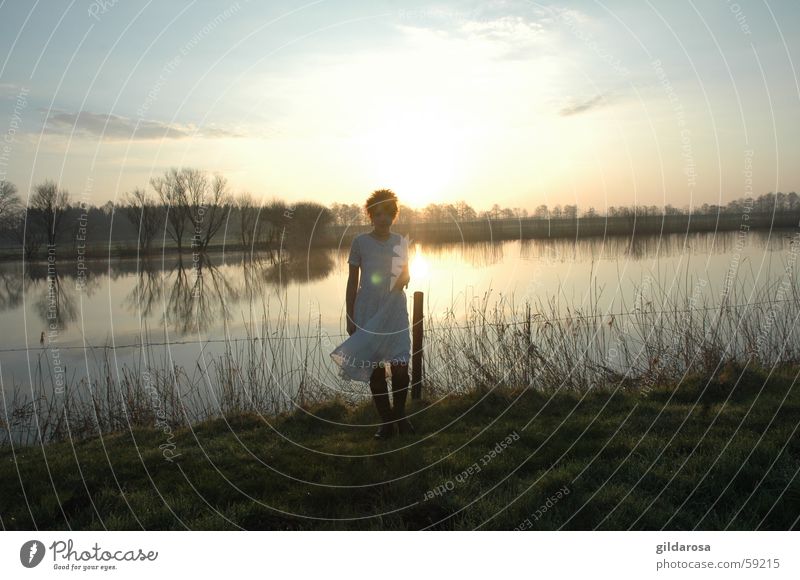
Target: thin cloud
115, 127
528, 33
10, 91
583, 106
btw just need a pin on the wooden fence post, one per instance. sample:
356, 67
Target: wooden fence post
416, 348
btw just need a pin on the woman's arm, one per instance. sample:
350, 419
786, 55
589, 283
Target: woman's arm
403, 279
350, 297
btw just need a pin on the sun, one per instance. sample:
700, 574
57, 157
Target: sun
415, 155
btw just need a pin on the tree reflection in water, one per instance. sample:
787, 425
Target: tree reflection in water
11, 290
56, 304
193, 298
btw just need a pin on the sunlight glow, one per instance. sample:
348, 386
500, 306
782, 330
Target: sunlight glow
418, 266
416, 155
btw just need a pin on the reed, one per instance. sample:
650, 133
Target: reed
666, 334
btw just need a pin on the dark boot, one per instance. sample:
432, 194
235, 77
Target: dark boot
400, 382
380, 396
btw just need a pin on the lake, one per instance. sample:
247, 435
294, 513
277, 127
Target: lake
191, 310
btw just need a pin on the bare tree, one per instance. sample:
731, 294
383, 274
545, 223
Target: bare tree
405, 215
172, 191
9, 200
143, 214
49, 203
570, 211
192, 201
196, 187
247, 219
272, 233
216, 203
434, 213
16, 228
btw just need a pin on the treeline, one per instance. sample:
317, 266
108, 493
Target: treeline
353, 214
189, 208
184, 208
766, 203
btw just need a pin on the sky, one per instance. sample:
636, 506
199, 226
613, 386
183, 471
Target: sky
511, 102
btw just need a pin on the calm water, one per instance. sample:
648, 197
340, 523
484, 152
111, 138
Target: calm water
196, 307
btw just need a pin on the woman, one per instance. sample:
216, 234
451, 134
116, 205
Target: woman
377, 314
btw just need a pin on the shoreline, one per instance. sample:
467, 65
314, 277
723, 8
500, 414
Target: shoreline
464, 232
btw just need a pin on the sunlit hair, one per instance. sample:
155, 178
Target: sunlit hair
378, 196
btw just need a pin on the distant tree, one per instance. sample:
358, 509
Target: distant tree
447, 212
465, 212
351, 214
172, 192
339, 211
208, 207
16, 228
433, 213
570, 211
765, 203
143, 214
302, 223
196, 188
48, 204
82, 225
248, 219
9, 200
407, 215
272, 226
590, 213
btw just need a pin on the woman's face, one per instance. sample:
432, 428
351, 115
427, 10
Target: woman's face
382, 216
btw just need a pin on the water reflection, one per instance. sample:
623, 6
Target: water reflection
11, 290
299, 268
646, 247
146, 294
55, 304
560, 250
195, 295
193, 298
190, 295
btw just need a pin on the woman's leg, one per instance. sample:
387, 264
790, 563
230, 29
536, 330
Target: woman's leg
400, 387
380, 396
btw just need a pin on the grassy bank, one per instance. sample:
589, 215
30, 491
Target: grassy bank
705, 454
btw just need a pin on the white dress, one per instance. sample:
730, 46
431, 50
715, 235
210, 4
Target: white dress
381, 315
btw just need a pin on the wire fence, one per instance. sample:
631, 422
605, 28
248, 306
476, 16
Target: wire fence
539, 318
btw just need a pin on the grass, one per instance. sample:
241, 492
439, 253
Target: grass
707, 453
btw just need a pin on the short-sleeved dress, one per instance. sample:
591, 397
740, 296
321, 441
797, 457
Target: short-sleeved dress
381, 315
